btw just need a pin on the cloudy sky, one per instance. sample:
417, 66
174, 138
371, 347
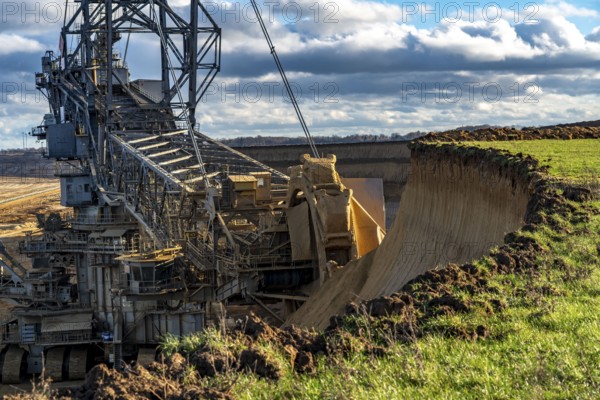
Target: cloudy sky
358, 66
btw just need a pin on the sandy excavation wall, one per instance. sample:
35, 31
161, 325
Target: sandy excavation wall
454, 208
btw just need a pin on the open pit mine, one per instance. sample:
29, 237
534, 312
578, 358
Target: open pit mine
170, 231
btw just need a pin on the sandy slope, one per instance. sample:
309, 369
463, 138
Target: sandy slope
13, 187
20, 200
452, 210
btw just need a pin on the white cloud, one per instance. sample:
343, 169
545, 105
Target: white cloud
36, 17
13, 43
525, 99
594, 36
327, 18
480, 40
551, 9
554, 34
21, 118
376, 30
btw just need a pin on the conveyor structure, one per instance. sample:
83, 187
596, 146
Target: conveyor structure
168, 226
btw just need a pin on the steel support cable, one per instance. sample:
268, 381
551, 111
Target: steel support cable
179, 95
127, 43
286, 83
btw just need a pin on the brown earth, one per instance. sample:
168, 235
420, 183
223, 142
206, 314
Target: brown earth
455, 207
565, 132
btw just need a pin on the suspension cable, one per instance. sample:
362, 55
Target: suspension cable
127, 43
286, 83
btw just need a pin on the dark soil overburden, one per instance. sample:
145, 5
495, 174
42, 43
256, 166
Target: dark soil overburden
503, 134
369, 326
581, 123
158, 381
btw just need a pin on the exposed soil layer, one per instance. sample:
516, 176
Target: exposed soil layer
458, 204
500, 134
158, 381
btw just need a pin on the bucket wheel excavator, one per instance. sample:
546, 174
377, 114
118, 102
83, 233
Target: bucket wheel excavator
168, 228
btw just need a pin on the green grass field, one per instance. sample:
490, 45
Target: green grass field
568, 159
545, 344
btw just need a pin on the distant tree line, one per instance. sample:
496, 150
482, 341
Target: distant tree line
252, 141
15, 151
260, 140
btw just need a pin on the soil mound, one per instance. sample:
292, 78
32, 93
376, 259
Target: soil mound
565, 132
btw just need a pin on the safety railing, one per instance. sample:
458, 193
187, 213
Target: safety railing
67, 170
65, 337
98, 219
53, 247
10, 337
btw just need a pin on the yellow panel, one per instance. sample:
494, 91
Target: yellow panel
367, 232
369, 193
243, 182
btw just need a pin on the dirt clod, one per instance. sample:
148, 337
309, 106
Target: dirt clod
209, 363
577, 193
256, 328
259, 362
305, 363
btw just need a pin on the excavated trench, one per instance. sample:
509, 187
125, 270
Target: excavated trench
453, 209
